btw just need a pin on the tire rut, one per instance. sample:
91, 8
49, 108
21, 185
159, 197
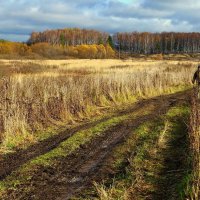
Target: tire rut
12, 161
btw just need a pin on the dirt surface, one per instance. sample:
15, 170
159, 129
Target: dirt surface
12, 161
78, 171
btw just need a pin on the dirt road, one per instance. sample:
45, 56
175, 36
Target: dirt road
87, 164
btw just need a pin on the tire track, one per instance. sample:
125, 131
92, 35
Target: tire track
12, 161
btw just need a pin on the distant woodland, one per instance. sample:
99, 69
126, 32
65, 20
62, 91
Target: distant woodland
82, 43
151, 43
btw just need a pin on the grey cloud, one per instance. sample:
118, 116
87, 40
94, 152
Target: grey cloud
170, 4
18, 18
118, 9
182, 10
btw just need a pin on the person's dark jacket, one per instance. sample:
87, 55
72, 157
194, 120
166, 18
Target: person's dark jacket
196, 77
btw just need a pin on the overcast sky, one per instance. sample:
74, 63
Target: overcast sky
18, 18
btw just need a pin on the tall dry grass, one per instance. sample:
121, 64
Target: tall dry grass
194, 192
34, 98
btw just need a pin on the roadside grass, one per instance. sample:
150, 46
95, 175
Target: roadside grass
25, 138
153, 163
22, 177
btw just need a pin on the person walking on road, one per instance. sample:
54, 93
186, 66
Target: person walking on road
196, 80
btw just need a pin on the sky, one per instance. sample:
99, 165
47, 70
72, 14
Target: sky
18, 18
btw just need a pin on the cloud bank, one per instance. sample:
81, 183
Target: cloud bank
18, 18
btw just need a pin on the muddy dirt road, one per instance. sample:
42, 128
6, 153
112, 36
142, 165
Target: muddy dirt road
89, 163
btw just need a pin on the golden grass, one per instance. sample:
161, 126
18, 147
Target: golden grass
38, 94
97, 63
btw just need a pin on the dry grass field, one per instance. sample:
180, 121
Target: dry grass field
108, 129
37, 95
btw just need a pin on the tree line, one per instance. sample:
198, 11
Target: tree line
46, 50
153, 43
134, 42
82, 43
62, 43
69, 37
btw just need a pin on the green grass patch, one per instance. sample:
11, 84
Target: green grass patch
140, 164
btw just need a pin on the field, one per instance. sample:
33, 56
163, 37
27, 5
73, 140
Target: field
98, 129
